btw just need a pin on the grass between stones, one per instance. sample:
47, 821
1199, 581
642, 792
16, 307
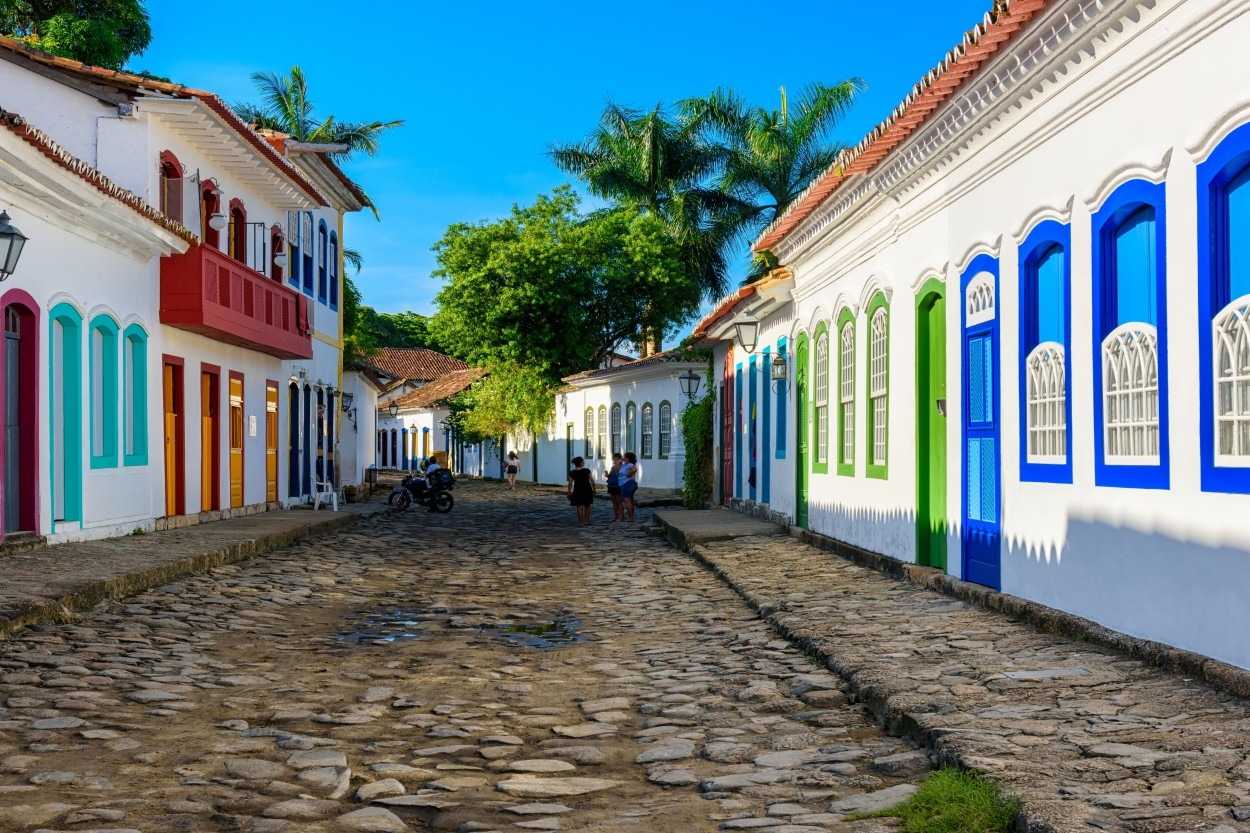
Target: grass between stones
953, 801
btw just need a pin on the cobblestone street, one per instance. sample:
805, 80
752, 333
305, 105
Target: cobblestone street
492, 669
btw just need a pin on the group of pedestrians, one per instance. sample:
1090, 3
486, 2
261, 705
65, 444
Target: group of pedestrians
622, 485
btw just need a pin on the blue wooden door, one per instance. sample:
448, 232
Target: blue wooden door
982, 504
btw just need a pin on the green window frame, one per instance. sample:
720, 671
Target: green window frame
666, 429
135, 405
102, 369
877, 388
648, 430
820, 399
588, 451
846, 392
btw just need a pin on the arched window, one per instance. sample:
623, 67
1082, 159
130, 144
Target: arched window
648, 427
588, 450
820, 397
334, 270
1044, 305
846, 392
616, 429
322, 254
1224, 301
631, 419
210, 206
294, 256
237, 236
666, 429
1130, 335
306, 247
276, 244
102, 356
601, 442
170, 186
135, 401
878, 386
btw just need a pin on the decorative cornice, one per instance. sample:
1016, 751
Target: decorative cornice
1041, 215
1125, 173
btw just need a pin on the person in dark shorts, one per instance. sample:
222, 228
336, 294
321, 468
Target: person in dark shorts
581, 490
510, 470
614, 487
629, 483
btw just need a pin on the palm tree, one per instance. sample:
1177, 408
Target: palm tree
770, 156
285, 107
645, 161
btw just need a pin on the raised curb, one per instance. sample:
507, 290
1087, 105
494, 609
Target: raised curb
90, 593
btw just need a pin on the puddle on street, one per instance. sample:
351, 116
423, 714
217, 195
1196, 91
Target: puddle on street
383, 627
560, 632
392, 625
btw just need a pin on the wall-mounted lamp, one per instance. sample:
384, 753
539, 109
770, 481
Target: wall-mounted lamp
689, 382
393, 409
778, 372
748, 332
348, 399
11, 243
217, 222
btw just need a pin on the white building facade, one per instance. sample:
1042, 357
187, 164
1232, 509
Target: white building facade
1014, 325
186, 375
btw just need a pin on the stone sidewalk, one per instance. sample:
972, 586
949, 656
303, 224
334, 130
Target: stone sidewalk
51, 584
1089, 738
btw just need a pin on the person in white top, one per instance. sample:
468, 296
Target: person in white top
628, 478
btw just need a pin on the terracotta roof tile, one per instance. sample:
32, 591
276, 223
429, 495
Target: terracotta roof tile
979, 44
138, 84
417, 364
17, 125
441, 388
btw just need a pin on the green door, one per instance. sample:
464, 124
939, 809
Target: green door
802, 472
931, 426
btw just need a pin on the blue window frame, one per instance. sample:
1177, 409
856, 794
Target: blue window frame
1045, 355
1131, 447
334, 270
783, 391
294, 259
306, 238
738, 456
323, 248
766, 462
102, 361
135, 405
753, 460
1224, 314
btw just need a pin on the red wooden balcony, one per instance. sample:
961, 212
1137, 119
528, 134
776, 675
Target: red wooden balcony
208, 292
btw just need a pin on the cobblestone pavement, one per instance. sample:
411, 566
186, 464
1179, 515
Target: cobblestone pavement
493, 669
1090, 739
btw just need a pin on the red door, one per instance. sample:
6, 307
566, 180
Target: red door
727, 412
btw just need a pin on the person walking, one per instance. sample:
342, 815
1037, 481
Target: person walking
629, 483
614, 487
510, 471
581, 490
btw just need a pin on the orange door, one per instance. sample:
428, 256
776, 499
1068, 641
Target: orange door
236, 441
210, 442
171, 447
271, 442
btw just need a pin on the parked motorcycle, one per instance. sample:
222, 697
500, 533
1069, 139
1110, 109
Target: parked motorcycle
418, 490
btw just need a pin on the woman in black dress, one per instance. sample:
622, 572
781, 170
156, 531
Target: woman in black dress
581, 490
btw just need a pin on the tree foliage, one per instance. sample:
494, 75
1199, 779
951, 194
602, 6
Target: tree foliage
100, 32
365, 329
554, 290
697, 468
511, 395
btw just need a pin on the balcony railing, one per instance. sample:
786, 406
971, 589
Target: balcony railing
208, 292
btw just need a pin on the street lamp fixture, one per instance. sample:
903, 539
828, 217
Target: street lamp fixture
778, 372
11, 243
393, 409
748, 332
348, 398
217, 221
689, 383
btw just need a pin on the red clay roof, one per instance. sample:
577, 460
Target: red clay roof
442, 388
417, 364
137, 84
59, 155
979, 44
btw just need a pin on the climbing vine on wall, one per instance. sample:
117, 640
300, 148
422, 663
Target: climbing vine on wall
696, 432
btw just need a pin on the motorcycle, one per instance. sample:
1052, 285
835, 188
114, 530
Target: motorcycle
419, 490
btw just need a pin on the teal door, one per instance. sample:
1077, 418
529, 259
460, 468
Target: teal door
802, 432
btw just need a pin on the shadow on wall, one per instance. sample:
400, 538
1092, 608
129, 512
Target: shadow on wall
1147, 584
888, 531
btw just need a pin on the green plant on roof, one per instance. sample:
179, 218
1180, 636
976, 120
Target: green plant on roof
953, 801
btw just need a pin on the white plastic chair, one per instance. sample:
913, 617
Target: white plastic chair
325, 492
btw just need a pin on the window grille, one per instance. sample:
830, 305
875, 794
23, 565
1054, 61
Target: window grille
588, 451
616, 429
666, 429
878, 386
822, 398
648, 427
846, 391
980, 299
1046, 407
1130, 378
601, 444
1231, 344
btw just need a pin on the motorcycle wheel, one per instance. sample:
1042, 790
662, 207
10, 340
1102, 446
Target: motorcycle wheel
443, 501
403, 500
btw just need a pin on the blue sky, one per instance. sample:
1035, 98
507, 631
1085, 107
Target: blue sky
486, 87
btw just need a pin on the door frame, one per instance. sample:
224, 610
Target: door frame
211, 502
802, 431
729, 412
178, 399
982, 263
292, 475
28, 412
273, 401
234, 374
932, 292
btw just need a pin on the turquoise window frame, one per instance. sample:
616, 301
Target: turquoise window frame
135, 340
71, 411
104, 453
783, 392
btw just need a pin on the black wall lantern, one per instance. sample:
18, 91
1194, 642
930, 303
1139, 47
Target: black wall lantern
748, 332
778, 372
11, 243
689, 383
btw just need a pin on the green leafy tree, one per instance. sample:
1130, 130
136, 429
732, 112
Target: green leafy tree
511, 396
100, 32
